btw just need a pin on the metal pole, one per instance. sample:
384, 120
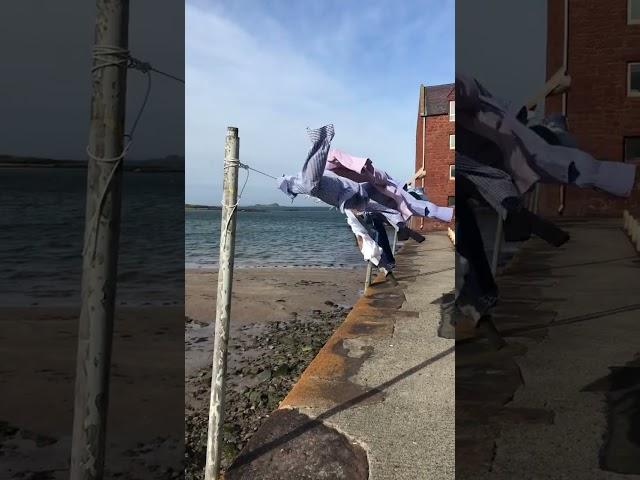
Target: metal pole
101, 234
536, 198
223, 303
368, 274
496, 246
395, 241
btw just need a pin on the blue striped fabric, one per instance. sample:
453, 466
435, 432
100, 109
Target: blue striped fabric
494, 185
315, 181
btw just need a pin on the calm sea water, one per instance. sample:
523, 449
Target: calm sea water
41, 231
291, 237
42, 225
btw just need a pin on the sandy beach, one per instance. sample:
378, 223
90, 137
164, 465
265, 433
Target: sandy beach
161, 363
145, 421
271, 294
281, 317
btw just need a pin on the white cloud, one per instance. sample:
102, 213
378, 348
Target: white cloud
260, 81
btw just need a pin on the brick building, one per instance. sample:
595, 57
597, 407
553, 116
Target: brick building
435, 148
602, 56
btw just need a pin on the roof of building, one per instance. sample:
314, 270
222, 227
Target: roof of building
435, 99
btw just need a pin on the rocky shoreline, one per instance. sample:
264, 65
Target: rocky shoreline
265, 360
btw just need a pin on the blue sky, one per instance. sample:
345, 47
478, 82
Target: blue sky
272, 68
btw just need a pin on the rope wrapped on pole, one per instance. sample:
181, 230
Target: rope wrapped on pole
223, 303
106, 150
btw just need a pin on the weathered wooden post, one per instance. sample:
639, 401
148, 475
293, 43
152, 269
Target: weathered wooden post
101, 236
223, 302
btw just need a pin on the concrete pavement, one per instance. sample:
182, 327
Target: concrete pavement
562, 401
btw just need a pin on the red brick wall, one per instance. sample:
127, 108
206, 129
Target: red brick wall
599, 112
437, 158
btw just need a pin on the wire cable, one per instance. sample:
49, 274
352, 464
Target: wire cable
247, 167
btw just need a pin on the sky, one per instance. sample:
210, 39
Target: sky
503, 44
273, 68
45, 81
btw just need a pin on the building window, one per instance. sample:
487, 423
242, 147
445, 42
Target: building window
452, 172
633, 79
452, 142
451, 201
631, 149
633, 12
452, 111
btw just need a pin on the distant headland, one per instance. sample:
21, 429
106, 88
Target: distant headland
249, 208
171, 163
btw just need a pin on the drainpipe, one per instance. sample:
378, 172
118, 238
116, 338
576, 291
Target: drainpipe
424, 142
565, 64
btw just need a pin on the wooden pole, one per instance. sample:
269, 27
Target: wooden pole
223, 303
102, 231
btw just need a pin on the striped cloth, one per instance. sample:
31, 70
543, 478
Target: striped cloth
495, 186
336, 191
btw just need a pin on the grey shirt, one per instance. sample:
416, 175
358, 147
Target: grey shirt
313, 180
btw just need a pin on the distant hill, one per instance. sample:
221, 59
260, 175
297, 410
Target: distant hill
172, 163
270, 205
201, 207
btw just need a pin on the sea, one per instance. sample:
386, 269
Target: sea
42, 214
274, 237
42, 225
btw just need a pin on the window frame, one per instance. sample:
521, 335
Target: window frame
631, 21
452, 136
452, 111
452, 167
624, 149
632, 93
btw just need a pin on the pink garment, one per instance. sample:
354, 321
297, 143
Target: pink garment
361, 169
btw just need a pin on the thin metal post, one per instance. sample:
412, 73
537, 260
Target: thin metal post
497, 244
101, 238
368, 275
223, 303
536, 198
625, 220
395, 241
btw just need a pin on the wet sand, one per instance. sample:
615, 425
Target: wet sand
271, 294
281, 317
145, 420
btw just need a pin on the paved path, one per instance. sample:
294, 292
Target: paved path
568, 388
378, 400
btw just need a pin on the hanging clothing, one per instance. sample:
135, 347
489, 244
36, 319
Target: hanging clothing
493, 185
371, 251
478, 292
361, 169
527, 156
377, 222
336, 191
